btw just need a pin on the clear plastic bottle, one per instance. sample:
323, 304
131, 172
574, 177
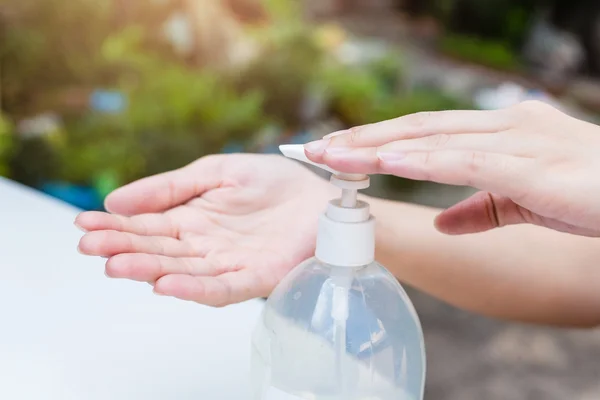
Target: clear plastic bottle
339, 326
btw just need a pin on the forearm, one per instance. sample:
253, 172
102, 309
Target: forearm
523, 273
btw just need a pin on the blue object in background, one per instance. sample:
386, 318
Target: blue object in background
301, 138
108, 102
271, 149
82, 197
233, 147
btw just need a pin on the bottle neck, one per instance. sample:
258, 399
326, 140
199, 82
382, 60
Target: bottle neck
338, 212
346, 236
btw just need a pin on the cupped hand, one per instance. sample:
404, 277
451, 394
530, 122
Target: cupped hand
222, 230
532, 163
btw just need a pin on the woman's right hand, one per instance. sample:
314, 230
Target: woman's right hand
533, 163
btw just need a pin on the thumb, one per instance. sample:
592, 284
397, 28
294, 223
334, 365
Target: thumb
481, 212
484, 211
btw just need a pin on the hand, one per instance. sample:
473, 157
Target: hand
533, 163
222, 230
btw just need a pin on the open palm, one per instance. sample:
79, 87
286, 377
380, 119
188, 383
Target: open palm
221, 230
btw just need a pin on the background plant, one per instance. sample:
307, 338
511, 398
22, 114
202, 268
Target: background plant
174, 114
6, 145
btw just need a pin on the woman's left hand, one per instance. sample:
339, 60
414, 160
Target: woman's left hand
533, 163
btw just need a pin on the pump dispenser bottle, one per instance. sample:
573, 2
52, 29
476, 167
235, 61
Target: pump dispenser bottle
339, 326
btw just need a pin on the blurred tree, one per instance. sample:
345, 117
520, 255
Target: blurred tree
47, 46
491, 53
175, 114
505, 20
288, 63
284, 72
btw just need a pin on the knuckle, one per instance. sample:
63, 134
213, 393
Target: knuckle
475, 161
158, 245
420, 119
141, 227
355, 134
426, 159
426, 165
532, 108
534, 105
438, 141
188, 266
227, 293
207, 159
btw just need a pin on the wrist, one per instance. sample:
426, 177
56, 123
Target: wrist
387, 250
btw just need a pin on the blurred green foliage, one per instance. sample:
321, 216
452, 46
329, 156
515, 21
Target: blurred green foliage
375, 92
176, 111
506, 21
6, 145
285, 13
487, 52
49, 45
487, 32
175, 114
284, 72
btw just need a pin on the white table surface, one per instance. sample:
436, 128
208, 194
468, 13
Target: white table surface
69, 333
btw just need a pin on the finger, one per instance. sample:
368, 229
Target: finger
488, 142
414, 126
222, 290
365, 160
164, 191
149, 267
496, 173
352, 160
485, 211
143, 224
481, 212
110, 243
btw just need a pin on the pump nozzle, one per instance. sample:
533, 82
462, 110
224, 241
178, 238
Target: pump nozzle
349, 183
296, 152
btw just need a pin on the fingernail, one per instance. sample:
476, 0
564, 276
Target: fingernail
316, 147
334, 134
337, 150
390, 157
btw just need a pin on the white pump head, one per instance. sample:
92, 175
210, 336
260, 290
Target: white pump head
346, 235
296, 151
349, 183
